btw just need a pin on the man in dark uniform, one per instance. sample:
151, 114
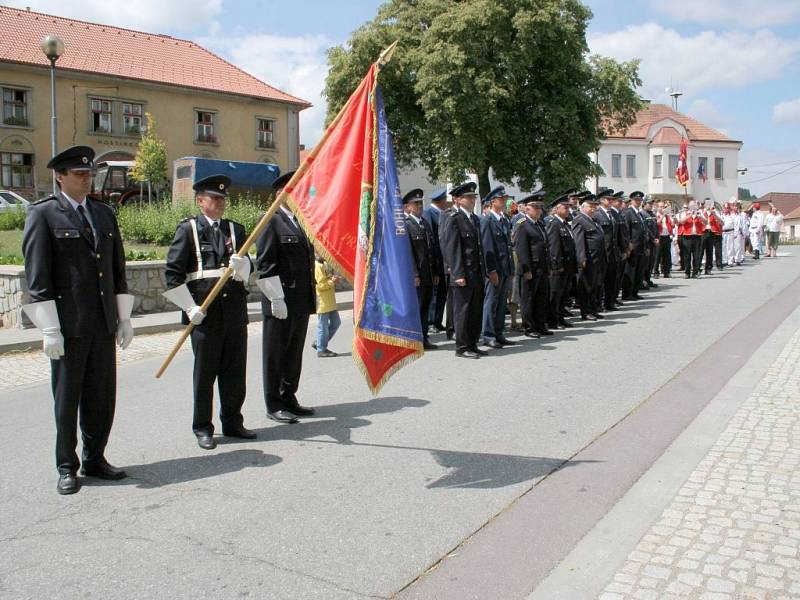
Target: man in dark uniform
651, 223
623, 240
75, 269
202, 248
499, 260
533, 262
432, 215
422, 249
605, 219
563, 263
285, 265
634, 266
590, 251
461, 251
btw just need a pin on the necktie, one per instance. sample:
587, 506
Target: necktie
87, 229
218, 243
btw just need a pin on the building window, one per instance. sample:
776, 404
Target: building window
16, 170
15, 107
101, 115
673, 165
718, 168
132, 118
616, 165
630, 165
657, 166
702, 167
204, 127
265, 133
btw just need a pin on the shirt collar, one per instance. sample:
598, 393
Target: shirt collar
464, 210
210, 221
74, 203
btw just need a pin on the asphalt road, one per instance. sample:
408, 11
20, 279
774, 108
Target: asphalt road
360, 501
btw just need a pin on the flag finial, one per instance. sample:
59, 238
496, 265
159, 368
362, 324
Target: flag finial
386, 55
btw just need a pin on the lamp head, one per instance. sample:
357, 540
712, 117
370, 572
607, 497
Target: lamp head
52, 46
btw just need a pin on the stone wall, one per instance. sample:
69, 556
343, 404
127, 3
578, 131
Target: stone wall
146, 282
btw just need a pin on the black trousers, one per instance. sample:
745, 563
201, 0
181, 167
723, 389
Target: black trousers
692, 254
610, 289
449, 327
282, 358
558, 286
599, 286
220, 354
467, 315
585, 291
631, 278
424, 297
84, 385
665, 255
652, 262
712, 249
535, 294
436, 311
680, 252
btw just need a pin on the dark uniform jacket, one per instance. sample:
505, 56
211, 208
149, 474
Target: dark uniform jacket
562, 248
651, 223
421, 238
623, 231
284, 250
496, 245
609, 225
461, 247
230, 306
432, 216
62, 264
590, 246
531, 247
638, 230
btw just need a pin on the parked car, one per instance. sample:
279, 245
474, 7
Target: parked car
12, 201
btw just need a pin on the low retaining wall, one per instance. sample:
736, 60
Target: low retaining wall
146, 282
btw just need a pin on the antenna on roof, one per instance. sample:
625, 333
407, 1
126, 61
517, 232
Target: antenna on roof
674, 94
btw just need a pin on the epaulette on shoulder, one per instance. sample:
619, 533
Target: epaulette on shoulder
43, 200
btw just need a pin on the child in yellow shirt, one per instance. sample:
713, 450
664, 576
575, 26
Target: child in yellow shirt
328, 320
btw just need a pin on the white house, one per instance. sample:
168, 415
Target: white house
646, 157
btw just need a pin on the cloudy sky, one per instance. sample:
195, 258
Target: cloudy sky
737, 62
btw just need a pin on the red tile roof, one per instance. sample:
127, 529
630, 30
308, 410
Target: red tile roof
652, 113
786, 203
667, 136
106, 50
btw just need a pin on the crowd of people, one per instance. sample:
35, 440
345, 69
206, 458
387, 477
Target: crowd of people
584, 251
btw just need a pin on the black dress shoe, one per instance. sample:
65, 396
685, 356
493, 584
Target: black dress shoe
301, 411
67, 484
506, 342
440, 328
494, 344
532, 334
619, 303
428, 345
598, 316
611, 308
544, 332
282, 416
206, 442
326, 353
102, 470
480, 352
242, 432
588, 318
467, 354
637, 297
565, 324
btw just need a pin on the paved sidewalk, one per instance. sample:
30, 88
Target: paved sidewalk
733, 528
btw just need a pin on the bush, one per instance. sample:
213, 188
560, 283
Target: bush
12, 219
155, 223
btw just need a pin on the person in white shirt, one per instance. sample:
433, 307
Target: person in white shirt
756, 230
740, 227
728, 236
774, 224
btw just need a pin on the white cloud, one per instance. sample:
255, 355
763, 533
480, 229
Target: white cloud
154, 16
706, 61
787, 112
296, 65
746, 14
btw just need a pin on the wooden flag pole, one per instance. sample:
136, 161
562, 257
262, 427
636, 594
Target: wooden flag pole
384, 58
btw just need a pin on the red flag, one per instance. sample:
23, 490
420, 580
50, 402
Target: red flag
682, 172
347, 198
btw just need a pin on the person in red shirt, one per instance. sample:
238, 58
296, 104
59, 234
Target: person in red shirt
712, 236
666, 229
691, 225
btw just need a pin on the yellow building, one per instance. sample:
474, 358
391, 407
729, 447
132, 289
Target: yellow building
108, 78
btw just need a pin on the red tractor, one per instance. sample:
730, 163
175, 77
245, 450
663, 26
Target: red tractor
113, 186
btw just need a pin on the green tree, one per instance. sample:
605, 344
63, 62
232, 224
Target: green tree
151, 158
478, 85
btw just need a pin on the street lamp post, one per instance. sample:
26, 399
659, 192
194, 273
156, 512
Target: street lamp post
53, 47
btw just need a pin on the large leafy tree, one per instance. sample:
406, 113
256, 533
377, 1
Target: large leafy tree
480, 85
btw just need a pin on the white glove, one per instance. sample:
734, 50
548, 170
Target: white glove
45, 316
196, 315
241, 268
271, 287
279, 310
124, 328
53, 342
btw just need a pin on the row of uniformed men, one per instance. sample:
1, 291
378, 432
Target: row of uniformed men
593, 246
75, 269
